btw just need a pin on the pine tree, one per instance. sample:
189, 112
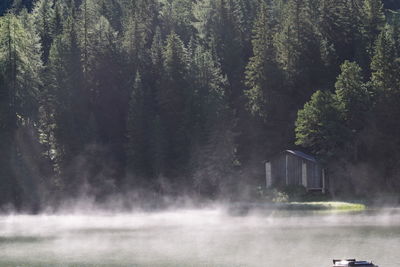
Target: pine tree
262, 74
210, 85
395, 31
208, 102
267, 97
320, 126
385, 85
385, 80
138, 160
385, 77
69, 103
43, 14
213, 135
340, 24
353, 95
298, 50
134, 40
373, 22
220, 27
176, 16
9, 189
88, 14
20, 69
354, 99
112, 11
108, 82
57, 22
156, 55
173, 99
138, 29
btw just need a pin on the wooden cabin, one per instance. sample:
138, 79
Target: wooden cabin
295, 168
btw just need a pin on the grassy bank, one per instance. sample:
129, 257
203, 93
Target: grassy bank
325, 205
242, 208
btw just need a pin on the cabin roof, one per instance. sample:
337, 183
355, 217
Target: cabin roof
301, 155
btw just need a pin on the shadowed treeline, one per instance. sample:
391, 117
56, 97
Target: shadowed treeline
185, 97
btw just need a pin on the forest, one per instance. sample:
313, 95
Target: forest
189, 97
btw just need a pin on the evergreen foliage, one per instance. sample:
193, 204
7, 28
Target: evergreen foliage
320, 126
109, 96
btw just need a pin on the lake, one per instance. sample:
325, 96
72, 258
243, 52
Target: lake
200, 237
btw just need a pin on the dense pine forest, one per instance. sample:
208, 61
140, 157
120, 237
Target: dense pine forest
188, 97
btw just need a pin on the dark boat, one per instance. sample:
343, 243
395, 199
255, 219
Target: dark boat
352, 262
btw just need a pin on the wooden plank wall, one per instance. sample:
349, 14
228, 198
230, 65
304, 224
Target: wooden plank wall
294, 171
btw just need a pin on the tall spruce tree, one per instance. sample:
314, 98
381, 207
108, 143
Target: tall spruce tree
70, 103
20, 67
213, 154
385, 77
298, 48
340, 26
373, 21
177, 16
353, 95
354, 99
43, 14
173, 99
320, 126
385, 80
263, 77
137, 149
220, 28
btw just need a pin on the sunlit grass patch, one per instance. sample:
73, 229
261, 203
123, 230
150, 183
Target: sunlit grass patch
327, 205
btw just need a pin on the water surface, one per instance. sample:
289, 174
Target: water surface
206, 237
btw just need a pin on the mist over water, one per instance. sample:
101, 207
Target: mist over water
199, 237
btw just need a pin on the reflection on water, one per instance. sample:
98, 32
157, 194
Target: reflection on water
209, 237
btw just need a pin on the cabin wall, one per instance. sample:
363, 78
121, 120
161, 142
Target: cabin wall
278, 170
314, 175
268, 175
288, 169
295, 165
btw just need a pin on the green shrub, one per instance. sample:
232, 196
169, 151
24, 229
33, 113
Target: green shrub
295, 192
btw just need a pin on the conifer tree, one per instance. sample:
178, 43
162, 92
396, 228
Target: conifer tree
88, 14
354, 99
385, 77
352, 95
210, 84
173, 99
137, 142
70, 102
263, 75
176, 16
20, 58
298, 49
213, 136
373, 22
112, 11
108, 94
220, 27
385, 81
20, 69
395, 31
320, 126
58, 19
134, 40
340, 25
43, 14
156, 55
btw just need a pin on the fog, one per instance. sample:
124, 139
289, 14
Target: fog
199, 237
